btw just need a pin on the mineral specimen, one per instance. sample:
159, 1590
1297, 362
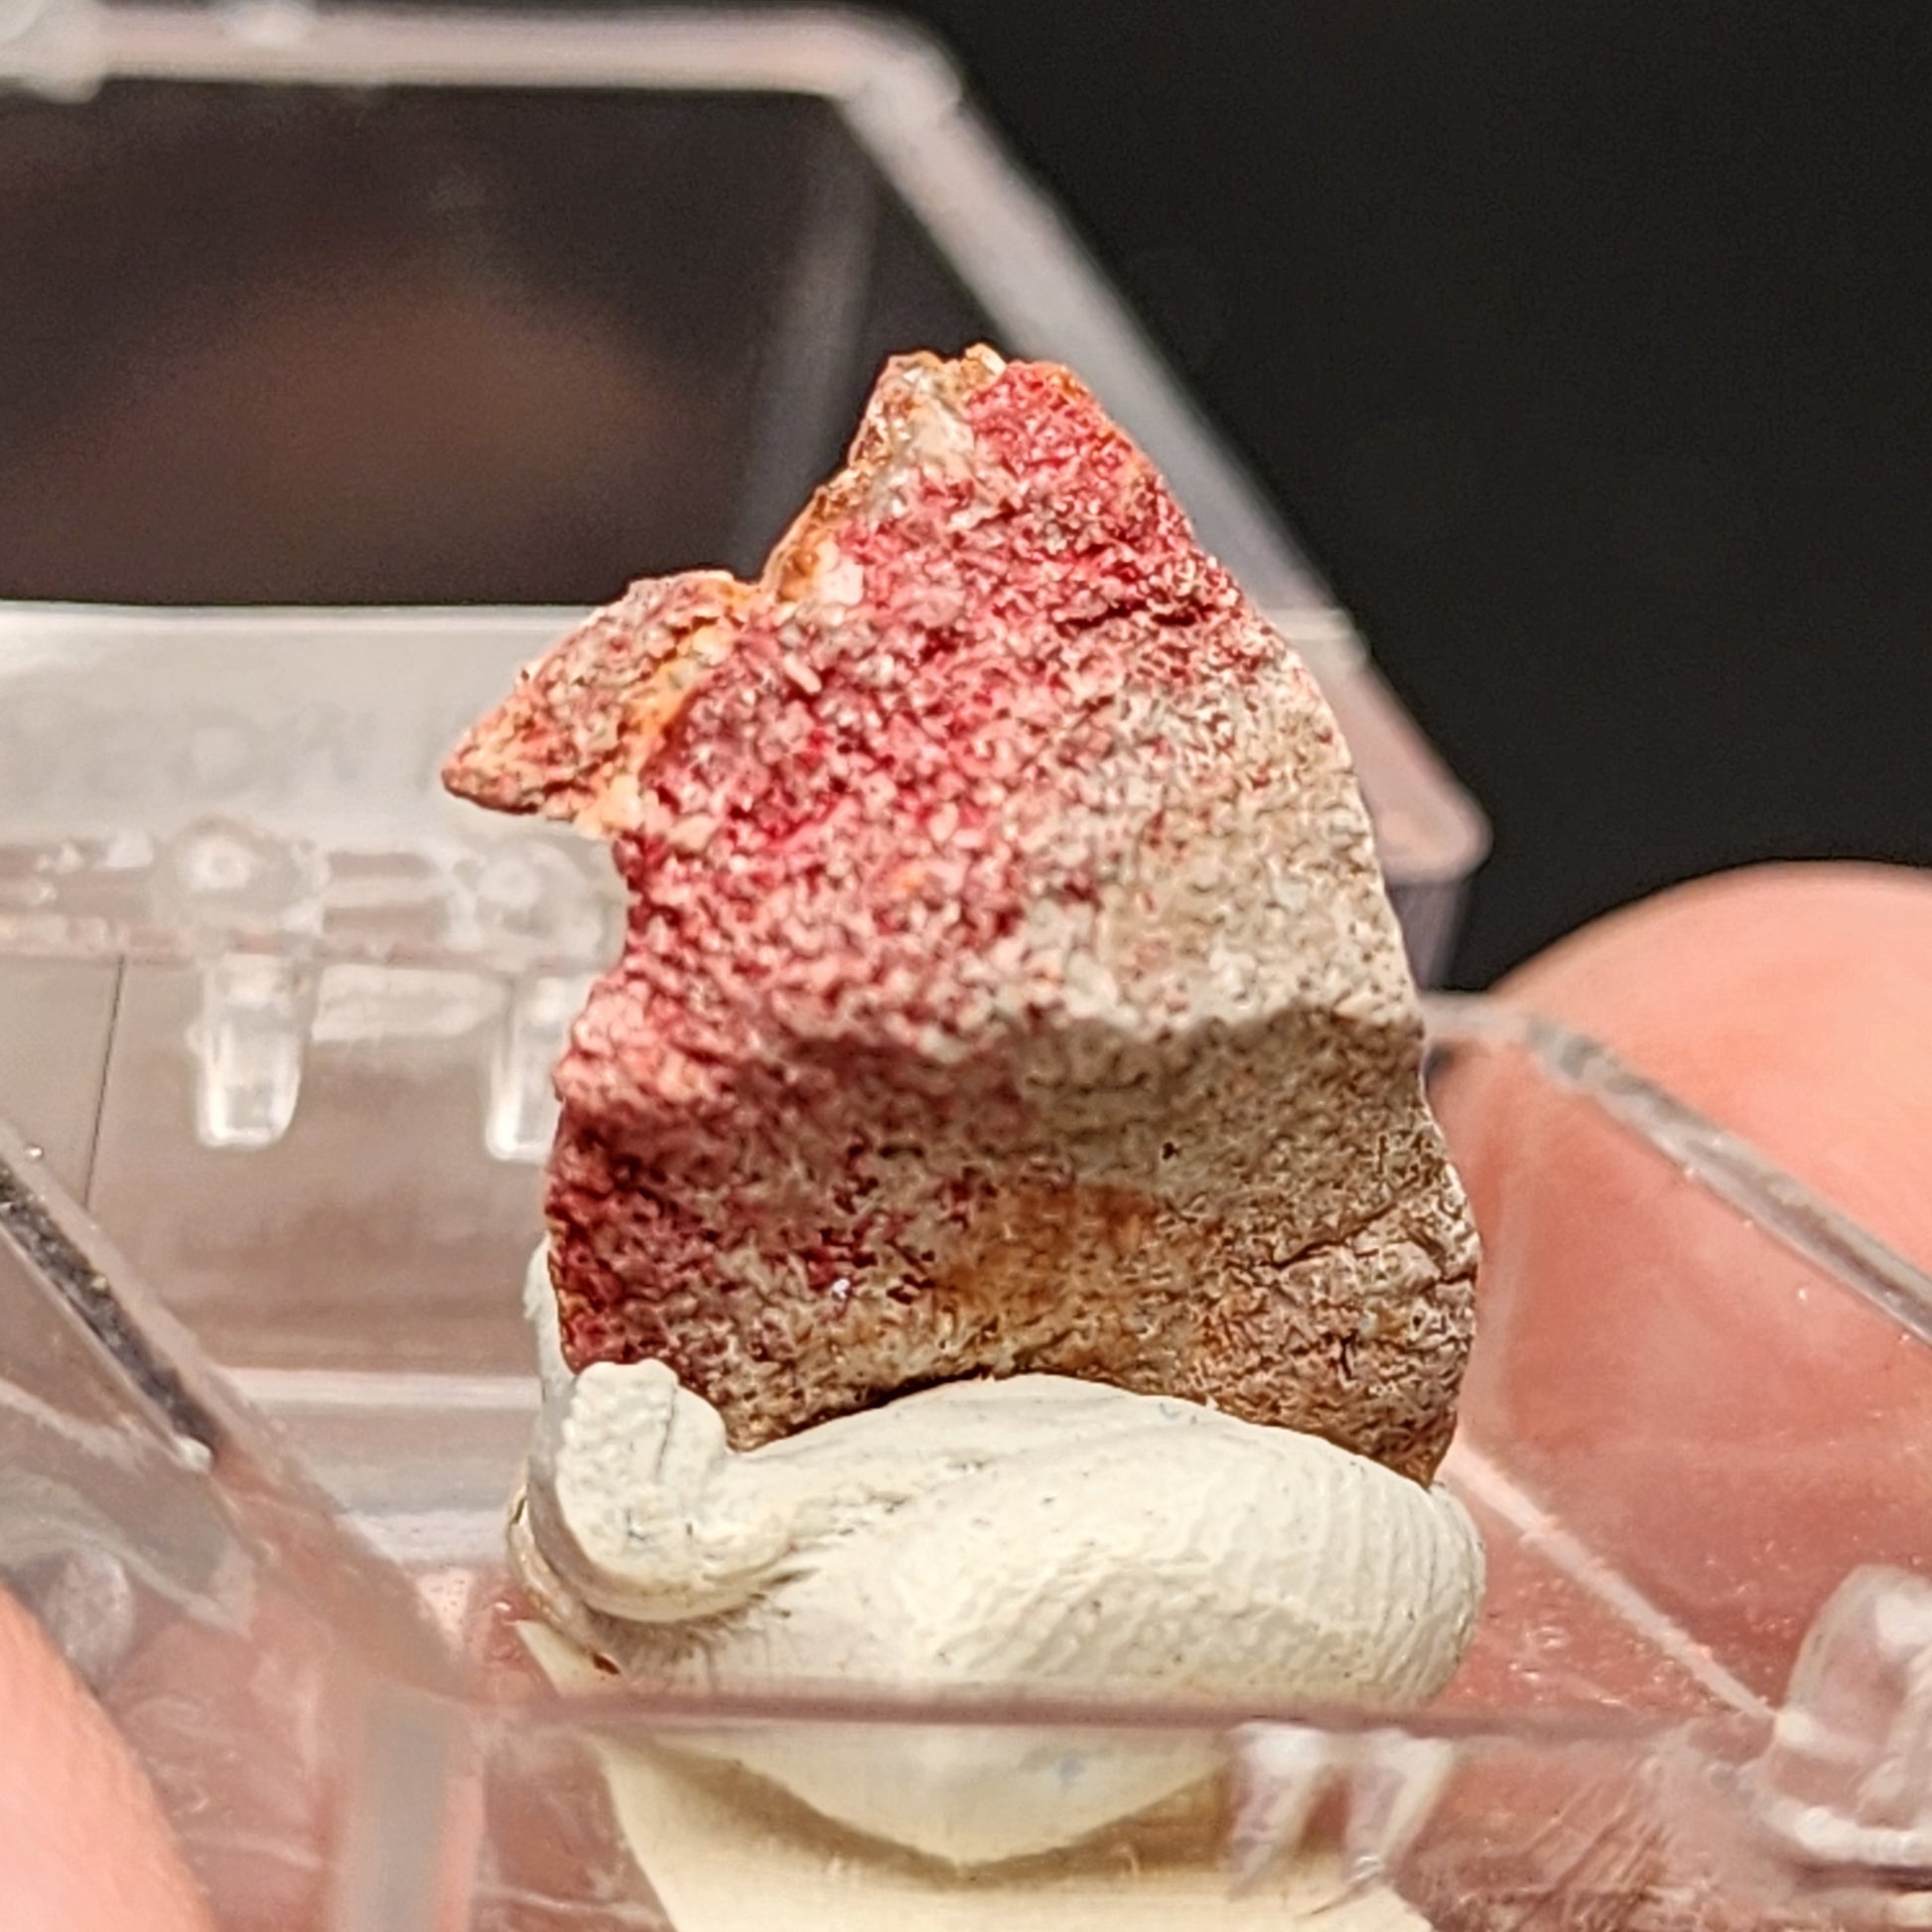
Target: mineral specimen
1008, 984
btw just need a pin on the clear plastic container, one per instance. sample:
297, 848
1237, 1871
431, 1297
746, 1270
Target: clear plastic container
306, 1632
279, 1018
315, 308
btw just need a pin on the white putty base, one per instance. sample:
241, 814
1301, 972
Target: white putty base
718, 1864
1040, 1534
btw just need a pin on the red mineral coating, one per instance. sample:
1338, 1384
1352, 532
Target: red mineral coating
1007, 982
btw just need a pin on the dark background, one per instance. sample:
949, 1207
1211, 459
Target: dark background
1585, 344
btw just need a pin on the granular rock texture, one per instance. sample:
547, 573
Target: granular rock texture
1008, 983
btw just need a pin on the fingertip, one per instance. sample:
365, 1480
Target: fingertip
83, 1844
1789, 1003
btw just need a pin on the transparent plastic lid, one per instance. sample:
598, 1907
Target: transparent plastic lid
407, 311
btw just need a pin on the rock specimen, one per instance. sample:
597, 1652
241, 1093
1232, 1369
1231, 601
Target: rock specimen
1008, 984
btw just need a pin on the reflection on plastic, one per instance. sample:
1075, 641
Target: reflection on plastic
1848, 1779
249, 1041
1388, 1780
53, 47
521, 1114
223, 875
